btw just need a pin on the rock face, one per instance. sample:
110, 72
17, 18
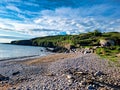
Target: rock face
104, 42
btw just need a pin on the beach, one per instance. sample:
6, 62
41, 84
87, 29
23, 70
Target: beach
60, 71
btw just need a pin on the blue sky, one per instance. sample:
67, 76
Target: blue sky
24, 19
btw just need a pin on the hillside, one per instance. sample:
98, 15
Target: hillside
108, 44
84, 39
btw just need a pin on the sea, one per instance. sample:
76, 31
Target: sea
8, 51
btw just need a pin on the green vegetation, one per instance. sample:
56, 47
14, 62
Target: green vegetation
110, 53
84, 39
109, 42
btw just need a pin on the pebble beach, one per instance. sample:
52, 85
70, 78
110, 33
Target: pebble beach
60, 71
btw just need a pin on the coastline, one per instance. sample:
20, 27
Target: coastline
51, 72
20, 58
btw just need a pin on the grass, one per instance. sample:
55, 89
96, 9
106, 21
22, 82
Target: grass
109, 53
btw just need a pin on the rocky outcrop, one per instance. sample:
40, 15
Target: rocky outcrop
108, 42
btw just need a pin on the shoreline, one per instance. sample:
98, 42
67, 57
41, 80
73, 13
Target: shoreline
59, 71
21, 58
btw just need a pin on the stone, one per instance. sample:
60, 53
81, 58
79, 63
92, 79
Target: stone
100, 79
118, 55
104, 42
69, 76
15, 73
82, 83
90, 87
70, 81
93, 78
50, 74
104, 88
2, 78
98, 73
79, 72
89, 81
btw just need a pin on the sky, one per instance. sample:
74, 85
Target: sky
25, 19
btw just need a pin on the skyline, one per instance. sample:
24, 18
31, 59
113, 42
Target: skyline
36, 18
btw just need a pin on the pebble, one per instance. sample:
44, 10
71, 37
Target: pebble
69, 76
98, 73
82, 83
70, 81
16, 73
90, 87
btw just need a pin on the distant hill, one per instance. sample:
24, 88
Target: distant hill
69, 41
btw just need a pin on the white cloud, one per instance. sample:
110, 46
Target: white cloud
31, 4
59, 21
13, 8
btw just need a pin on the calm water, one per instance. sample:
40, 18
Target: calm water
14, 51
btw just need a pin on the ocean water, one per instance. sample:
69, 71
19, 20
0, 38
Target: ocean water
8, 51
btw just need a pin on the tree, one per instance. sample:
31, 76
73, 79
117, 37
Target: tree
97, 33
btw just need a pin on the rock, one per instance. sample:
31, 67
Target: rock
70, 81
105, 42
90, 87
82, 83
118, 55
50, 74
69, 76
87, 51
100, 79
15, 73
89, 81
95, 47
93, 78
98, 73
104, 88
2, 78
79, 72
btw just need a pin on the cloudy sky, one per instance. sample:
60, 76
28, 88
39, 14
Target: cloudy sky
24, 19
